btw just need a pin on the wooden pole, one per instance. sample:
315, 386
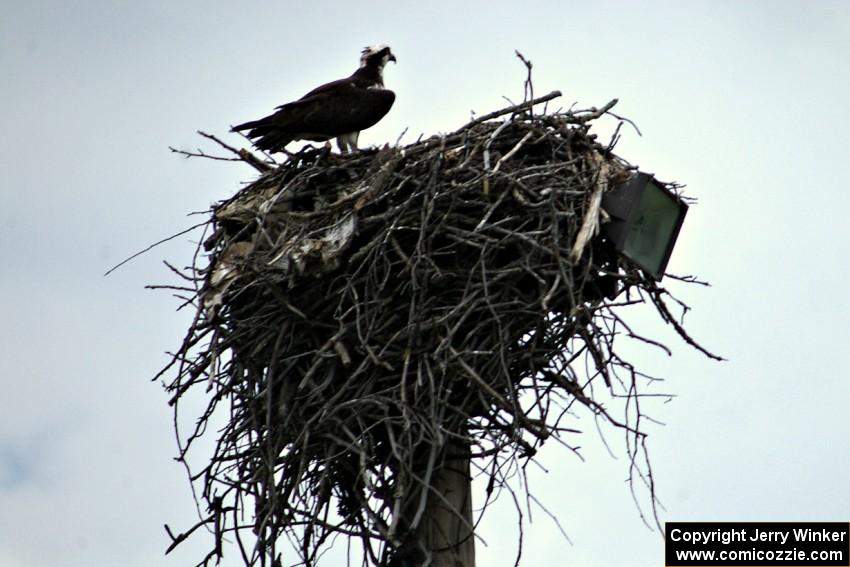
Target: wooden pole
448, 518
443, 536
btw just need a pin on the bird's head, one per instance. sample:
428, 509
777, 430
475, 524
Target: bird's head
376, 56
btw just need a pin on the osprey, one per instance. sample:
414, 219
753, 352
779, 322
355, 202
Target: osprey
339, 109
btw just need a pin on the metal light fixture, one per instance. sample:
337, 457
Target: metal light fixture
645, 221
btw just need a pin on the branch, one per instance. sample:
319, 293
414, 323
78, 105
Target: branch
511, 109
529, 86
667, 316
593, 113
241, 154
152, 246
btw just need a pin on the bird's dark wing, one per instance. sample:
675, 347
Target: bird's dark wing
347, 108
328, 87
337, 108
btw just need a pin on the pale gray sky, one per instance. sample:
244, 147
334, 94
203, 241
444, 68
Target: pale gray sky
745, 102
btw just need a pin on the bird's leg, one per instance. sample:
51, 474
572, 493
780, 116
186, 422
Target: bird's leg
347, 142
341, 144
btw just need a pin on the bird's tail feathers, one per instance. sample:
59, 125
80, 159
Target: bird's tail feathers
246, 126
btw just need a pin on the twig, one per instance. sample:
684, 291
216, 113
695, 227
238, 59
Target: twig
529, 85
594, 113
512, 151
627, 121
590, 222
200, 153
511, 109
154, 245
241, 154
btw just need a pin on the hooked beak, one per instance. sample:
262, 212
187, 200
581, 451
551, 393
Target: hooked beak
391, 58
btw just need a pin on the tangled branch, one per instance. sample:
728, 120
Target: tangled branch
357, 316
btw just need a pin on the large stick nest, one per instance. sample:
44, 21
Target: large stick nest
355, 313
